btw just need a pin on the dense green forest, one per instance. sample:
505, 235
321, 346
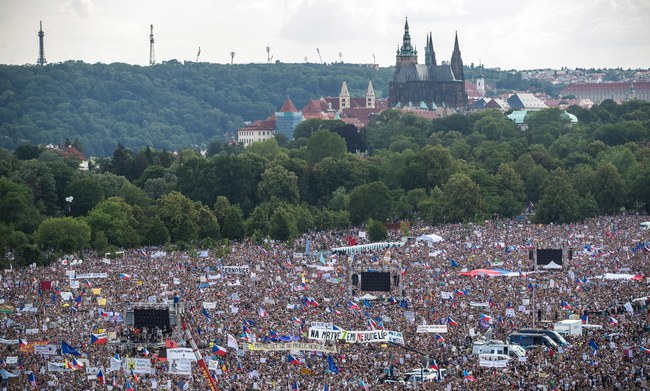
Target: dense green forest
460, 168
171, 105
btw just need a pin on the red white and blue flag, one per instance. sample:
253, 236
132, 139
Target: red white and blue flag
451, 322
292, 360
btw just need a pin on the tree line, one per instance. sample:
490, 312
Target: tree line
452, 170
167, 106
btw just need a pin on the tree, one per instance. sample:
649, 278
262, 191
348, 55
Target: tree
63, 234
559, 201
282, 226
114, 218
369, 201
86, 192
37, 175
156, 232
17, 206
179, 215
610, 189
28, 152
322, 144
233, 224
510, 191
280, 183
462, 199
376, 231
208, 224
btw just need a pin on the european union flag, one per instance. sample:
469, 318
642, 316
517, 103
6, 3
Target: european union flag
67, 349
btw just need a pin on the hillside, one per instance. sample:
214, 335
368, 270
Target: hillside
167, 106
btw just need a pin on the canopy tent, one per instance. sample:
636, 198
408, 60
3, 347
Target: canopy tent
431, 238
492, 273
621, 276
368, 296
552, 265
364, 247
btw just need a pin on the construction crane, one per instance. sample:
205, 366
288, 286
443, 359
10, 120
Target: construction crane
198, 54
268, 54
340, 57
232, 57
374, 61
319, 57
199, 358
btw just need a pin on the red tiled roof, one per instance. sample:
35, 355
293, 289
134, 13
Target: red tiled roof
267, 124
591, 87
69, 151
315, 106
288, 107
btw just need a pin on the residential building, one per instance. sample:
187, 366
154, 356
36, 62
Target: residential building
598, 92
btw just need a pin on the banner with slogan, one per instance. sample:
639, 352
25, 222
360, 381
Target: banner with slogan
488, 362
180, 367
432, 328
181, 354
90, 275
357, 336
243, 269
30, 346
46, 350
138, 365
308, 347
322, 325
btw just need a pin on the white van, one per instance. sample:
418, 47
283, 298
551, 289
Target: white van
495, 346
425, 374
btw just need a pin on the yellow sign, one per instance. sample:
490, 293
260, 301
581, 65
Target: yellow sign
101, 301
97, 291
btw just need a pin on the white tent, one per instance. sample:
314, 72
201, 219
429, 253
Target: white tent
552, 265
431, 238
368, 296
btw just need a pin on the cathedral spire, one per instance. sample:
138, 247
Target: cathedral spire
407, 49
457, 61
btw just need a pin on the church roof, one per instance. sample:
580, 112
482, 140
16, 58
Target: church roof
288, 107
524, 100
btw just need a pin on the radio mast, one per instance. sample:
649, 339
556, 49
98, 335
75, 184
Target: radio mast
152, 54
41, 47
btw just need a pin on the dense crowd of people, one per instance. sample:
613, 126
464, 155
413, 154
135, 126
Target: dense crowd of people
286, 289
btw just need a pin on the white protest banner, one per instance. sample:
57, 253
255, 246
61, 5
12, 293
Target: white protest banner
479, 304
57, 367
489, 362
176, 281
11, 360
66, 295
446, 295
213, 365
322, 325
180, 367
74, 284
180, 354
209, 305
308, 347
91, 275
243, 269
45, 350
356, 336
138, 365
432, 328
70, 273
510, 312
31, 331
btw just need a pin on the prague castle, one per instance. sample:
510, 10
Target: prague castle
432, 83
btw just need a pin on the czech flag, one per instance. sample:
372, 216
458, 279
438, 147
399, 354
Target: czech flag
363, 385
440, 338
565, 305
100, 378
644, 350
219, 350
459, 293
451, 322
353, 305
433, 365
585, 319
613, 321
295, 386
468, 376
485, 318
128, 386
124, 276
292, 360
135, 377
77, 364
145, 352
22, 342
296, 320
98, 339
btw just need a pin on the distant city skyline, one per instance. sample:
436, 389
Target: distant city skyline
506, 34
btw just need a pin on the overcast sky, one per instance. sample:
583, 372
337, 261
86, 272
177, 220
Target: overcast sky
510, 34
